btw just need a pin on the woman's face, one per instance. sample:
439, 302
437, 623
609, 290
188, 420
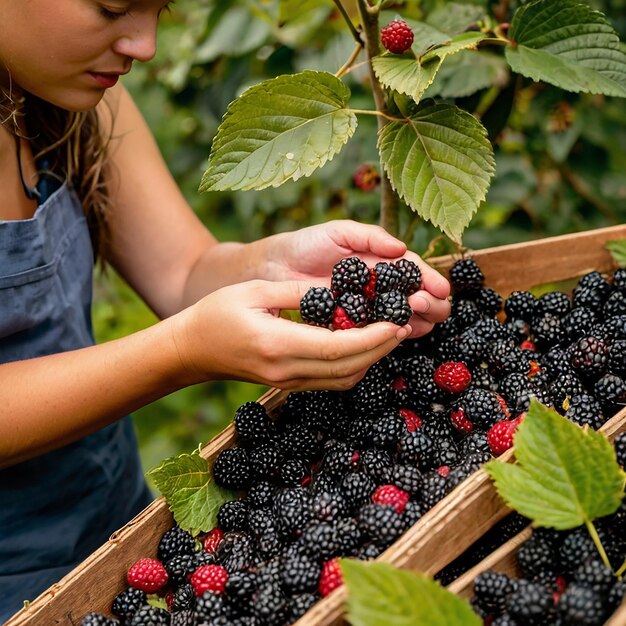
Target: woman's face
68, 52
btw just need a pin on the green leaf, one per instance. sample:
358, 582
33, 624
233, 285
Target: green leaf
452, 17
411, 76
157, 601
381, 595
298, 19
281, 129
187, 485
564, 476
618, 249
569, 45
440, 162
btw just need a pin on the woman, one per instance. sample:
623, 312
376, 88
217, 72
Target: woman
81, 176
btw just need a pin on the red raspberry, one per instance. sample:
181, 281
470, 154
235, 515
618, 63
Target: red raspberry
366, 177
460, 422
412, 420
500, 435
209, 578
397, 36
453, 376
341, 321
330, 577
212, 540
390, 494
149, 575
443, 470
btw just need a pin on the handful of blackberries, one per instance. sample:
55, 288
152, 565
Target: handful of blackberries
359, 295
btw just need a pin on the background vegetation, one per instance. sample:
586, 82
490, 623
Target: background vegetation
561, 158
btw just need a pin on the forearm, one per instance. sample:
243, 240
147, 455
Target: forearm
51, 401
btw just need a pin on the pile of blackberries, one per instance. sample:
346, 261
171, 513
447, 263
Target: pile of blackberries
344, 474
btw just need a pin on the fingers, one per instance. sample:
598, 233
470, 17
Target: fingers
428, 307
277, 295
365, 238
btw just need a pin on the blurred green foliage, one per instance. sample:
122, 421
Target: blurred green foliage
561, 158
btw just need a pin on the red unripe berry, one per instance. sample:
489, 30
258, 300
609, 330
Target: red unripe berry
330, 577
391, 495
412, 420
212, 540
397, 36
527, 344
149, 575
443, 470
369, 291
209, 578
453, 376
341, 321
460, 422
366, 177
500, 435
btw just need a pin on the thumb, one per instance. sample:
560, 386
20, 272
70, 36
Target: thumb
279, 295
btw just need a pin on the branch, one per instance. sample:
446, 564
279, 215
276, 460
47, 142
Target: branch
351, 26
583, 190
389, 201
345, 68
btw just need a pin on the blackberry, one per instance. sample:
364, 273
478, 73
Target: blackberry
387, 277
555, 303
300, 574
357, 489
619, 279
589, 357
589, 297
548, 331
482, 408
575, 547
253, 424
387, 427
614, 328
184, 599
434, 488
610, 390
369, 552
617, 595
328, 506
581, 605
585, 410
483, 379
513, 386
380, 523
261, 522
530, 603
356, 307
445, 453
270, 605
393, 307
504, 357
417, 368
296, 441
617, 358
317, 306
436, 424
593, 573
181, 566
520, 329
349, 275
236, 552
476, 441
563, 388
504, 620
347, 536
466, 313
372, 392
410, 276
240, 586
231, 469
470, 347
578, 323
127, 603
337, 461
465, 275
520, 305
406, 477
319, 541
620, 448
175, 542
489, 302
298, 605
260, 495
97, 619
233, 515
209, 606
150, 616
492, 590
204, 558
413, 512
416, 448
264, 460
292, 509
595, 280
615, 305
292, 472
492, 330
536, 556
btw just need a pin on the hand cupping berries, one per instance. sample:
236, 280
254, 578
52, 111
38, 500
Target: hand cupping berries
359, 295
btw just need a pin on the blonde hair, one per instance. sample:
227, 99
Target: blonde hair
75, 150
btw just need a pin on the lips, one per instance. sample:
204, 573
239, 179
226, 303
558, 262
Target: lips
106, 79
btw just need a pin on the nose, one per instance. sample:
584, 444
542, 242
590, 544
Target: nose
139, 41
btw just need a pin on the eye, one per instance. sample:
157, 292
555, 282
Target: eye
113, 15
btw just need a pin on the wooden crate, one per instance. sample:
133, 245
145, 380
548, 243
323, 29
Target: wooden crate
440, 536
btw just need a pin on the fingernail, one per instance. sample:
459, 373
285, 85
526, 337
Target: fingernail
403, 333
421, 305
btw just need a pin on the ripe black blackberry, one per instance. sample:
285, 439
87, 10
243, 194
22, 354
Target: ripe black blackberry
264, 461
614, 328
175, 542
483, 378
179, 567
548, 331
531, 603
445, 453
233, 515
300, 574
491, 329
292, 509
556, 303
270, 605
620, 448
357, 488
520, 305
97, 619
413, 512
563, 389
416, 448
317, 306
513, 386
356, 307
209, 606
319, 541
615, 304
127, 603
387, 277
575, 547
253, 424
616, 596
236, 552
593, 573
261, 521
588, 297
387, 427
410, 276
380, 523
406, 477
536, 556
349, 275
583, 410
337, 461
488, 301
465, 275
482, 408
617, 358
475, 441
465, 312
504, 357
240, 586
150, 616
578, 323
260, 495
184, 599
434, 488
348, 536
619, 279
369, 552
589, 357
610, 391
292, 472
581, 605
492, 590
416, 368
372, 392
296, 441
231, 469
298, 605
328, 506
393, 307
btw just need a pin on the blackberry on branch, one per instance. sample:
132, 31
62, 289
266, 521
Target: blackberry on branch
397, 36
317, 306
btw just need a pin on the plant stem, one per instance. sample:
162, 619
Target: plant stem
377, 113
389, 201
346, 17
596, 540
620, 572
350, 62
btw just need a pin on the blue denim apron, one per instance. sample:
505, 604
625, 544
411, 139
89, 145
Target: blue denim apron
58, 508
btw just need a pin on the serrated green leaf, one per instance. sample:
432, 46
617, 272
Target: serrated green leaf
468, 72
452, 17
279, 130
381, 595
410, 76
568, 45
618, 249
439, 162
564, 476
425, 37
187, 485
